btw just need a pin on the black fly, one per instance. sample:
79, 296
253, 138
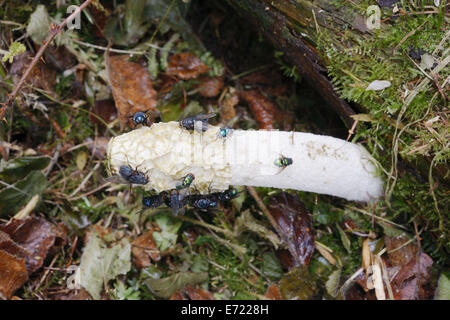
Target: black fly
133, 176
194, 122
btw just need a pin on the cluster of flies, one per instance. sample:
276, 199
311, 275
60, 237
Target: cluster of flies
177, 198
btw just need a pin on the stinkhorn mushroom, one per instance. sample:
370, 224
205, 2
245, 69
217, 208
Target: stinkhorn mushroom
167, 152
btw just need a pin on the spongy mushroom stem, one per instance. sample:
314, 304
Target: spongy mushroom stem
320, 164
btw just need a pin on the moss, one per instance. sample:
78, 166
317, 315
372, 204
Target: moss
351, 69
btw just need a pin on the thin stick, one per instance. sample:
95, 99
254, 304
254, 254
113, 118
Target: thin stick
54, 30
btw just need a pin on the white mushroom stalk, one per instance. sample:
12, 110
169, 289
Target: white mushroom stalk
167, 152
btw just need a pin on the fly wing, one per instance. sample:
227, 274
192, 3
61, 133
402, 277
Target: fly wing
201, 117
116, 179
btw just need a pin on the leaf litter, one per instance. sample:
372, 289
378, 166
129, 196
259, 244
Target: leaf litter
151, 254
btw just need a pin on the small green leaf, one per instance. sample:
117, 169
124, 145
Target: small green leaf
344, 238
18, 168
165, 287
14, 49
18, 194
271, 266
168, 235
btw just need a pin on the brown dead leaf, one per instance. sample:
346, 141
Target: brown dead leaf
42, 76
185, 66
295, 225
264, 110
227, 109
273, 293
415, 268
178, 296
36, 236
198, 294
144, 250
402, 254
131, 87
210, 87
105, 109
13, 274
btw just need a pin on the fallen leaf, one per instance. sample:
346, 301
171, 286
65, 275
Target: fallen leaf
20, 193
398, 253
273, 293
18, 168
415, 268
165, 287
13, 274
167, 237
41, 76
264, 110
102, 262
144, 250
198, 294
185, 66
295, 225
131, 87
210, 87
36, 236
227, 109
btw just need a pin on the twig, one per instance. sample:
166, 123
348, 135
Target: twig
85, 180
54, 30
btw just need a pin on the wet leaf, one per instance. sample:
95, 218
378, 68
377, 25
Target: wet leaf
168, 235
415, 267
17, 195
295, 225
101, 263
198, 294
144, 250
399, 252
18, 168
13, 274
186, 66
264, 110
271, 266
131, 87
298, 285
36, 236
165, 287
